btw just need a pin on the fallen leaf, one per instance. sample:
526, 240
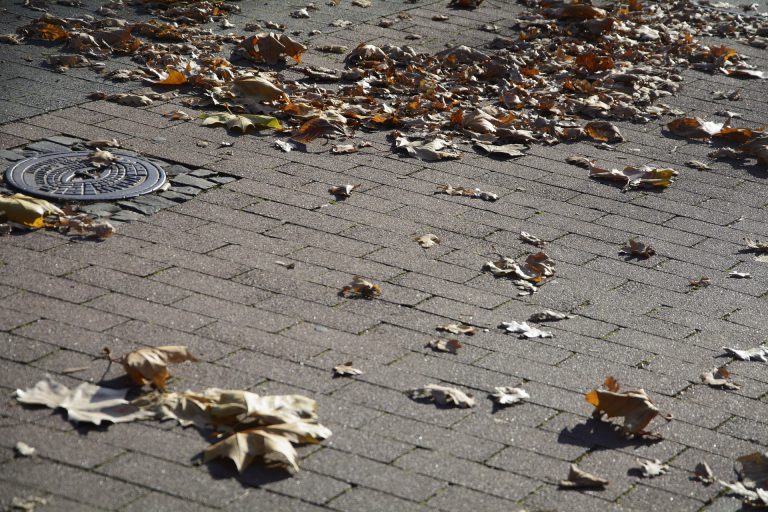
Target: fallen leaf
242, 122
443, 395
171, 76
638, 249
603, 130
361, 3
150, 365
289, 266
549, 316
100, 158
536, 270
757, 147
22, 449
525, 331
508, 395
634, 406
718, 378
578, 479
257, 88
756, 245
741, 72
466, 192
300, 14
343, 149
633, 177
428, 240
695, 164
694, 128
432, 150
284, 145
10, 39
754, 469
703, 473
103, 143
271, 48
346, 370
579, 160
130, 100
29, 212
533, 240
85, 403
458, 329
701, 282
318, 127
361, 288
342, 191
28, 503
751, 354
506, 150
451, 346
178, 115
740, 275
652, 468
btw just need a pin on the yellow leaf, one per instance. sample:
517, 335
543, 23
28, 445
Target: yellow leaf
27, 211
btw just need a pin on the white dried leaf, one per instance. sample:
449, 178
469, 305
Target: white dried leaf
581, 479
525, 331
343, 149
443, 395
652, 468
695, 164
300, 14
430, 151
454, 328
28, 503
756, 245
346, 370
531, 239
508, 395
284, 145
100, 158
342, 191
549, 316
22, 449
719, 378
740, 275
428, 240
751, 354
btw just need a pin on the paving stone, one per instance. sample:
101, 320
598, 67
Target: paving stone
192, 181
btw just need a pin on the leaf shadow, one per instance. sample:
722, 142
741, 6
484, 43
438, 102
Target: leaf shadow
255, 475
597, 433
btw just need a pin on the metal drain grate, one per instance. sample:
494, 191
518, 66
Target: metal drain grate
71, 176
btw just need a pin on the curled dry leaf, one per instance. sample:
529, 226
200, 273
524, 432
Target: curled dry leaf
634, 406
346, 370
342, 191
284, 146
533, 240
178, 115
503, 150
29, 212
256, 88
756, 245
428, 240
694, 128
695, 164
22, 449
458, 329
451, 346
432, 150
332, 48
101, 158
443, 395
271, 48
751, 354
318, 127
525, 331
85, 403
719, 378
536, 270
652, 468
343, 149
84, 225
130, 100
466, 192
703, 473
639, 249
634, 177
604, 131
740, 275
508, 395
361, 288
549, 316
28, 503
150, 365
579, 160
578, 479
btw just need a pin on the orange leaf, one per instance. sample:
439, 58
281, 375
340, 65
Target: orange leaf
634, 406
51, 32
592, 62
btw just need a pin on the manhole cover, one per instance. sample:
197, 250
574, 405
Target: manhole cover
71, 176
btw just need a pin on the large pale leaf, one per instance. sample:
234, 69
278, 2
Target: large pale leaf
443, 395
28, 211
85, 403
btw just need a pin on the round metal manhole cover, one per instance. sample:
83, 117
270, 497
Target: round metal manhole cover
71, 176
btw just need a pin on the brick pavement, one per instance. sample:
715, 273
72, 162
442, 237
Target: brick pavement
203, 273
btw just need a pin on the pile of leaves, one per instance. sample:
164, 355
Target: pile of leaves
569, 62
244, 425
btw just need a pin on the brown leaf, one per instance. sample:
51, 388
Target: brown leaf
694, 128
272, 48
466, 192
634, 406
533, 240
633, 177
150, 365
451, 346
603, 130
454, 328
701, 282
343, 149
593, 62
637, 248
466, 4
317, 127
757, 147
578, 479
361, 288
342, 191
719, 378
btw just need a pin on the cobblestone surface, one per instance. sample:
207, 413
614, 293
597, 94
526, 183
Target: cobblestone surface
197, 267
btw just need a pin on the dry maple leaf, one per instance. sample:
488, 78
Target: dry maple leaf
150, 365
509, 395
346, 370
29, 212
549, 316
718, 378
652, 468
694, 128
361, 287
85, 403
638, 249
752, 354
533, 240
634, 406
578, 479
443, 395
451, 346
525, 331
428, 240
342, 191
454, 328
